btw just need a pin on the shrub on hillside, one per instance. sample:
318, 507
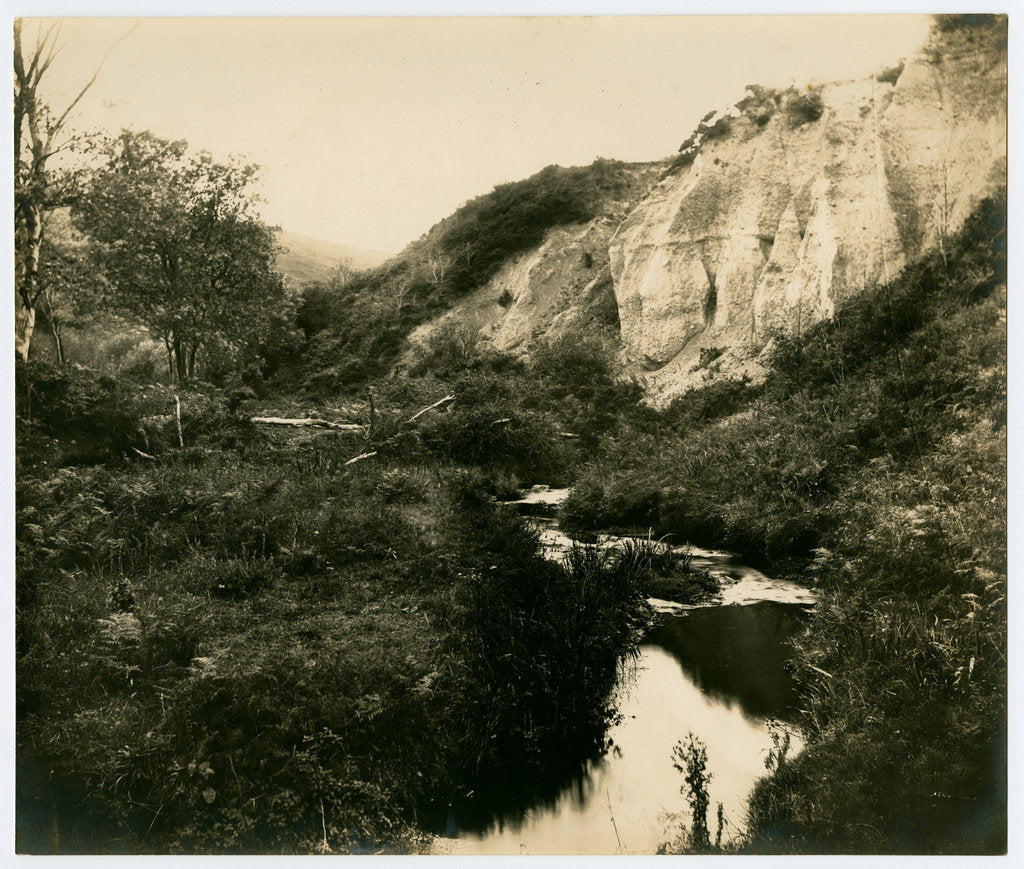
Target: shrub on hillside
356, 332
803, 107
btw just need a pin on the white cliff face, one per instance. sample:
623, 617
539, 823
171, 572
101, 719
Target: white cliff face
780, 219
787, 208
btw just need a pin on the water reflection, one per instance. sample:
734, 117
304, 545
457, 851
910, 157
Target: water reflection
718, 672
737, 654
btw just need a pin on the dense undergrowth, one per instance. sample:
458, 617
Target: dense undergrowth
872, 462
236, 641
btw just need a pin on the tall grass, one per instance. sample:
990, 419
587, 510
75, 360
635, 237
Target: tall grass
247, 645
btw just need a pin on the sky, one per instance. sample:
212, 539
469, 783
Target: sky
369, 131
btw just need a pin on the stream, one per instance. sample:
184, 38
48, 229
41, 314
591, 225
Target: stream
715, 670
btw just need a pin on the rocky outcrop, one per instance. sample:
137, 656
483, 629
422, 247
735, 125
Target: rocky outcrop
781, 209
545, 292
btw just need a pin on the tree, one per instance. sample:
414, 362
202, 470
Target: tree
39, 135
70, 289
177, 237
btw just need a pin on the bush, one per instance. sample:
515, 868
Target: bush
891, 74
494, 435
803, 108
94, 417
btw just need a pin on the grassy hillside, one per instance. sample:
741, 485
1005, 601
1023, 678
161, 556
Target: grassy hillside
355, 329
306, 259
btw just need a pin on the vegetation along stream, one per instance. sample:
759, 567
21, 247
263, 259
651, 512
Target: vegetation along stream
716, 670
271, 596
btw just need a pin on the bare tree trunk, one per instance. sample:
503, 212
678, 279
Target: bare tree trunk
25, 319
192, 360
24, 324
58, 341
31, 183
179, 360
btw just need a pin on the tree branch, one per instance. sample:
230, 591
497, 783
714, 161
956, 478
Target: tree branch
60, 121
416, 416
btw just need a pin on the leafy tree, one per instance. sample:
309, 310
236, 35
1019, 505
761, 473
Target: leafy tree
177, 236
39, 135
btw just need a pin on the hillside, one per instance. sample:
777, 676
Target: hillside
514, 261
782, 208
775, 212
305, 258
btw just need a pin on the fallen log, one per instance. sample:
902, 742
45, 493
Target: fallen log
316, 423
359, 458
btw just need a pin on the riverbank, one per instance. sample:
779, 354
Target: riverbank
872, 463
717, 670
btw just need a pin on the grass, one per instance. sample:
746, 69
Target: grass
247, 645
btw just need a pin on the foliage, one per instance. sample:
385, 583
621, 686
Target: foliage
177, 238
540, 641
513, 217
576, 378
890, 75
803, 107
759, 103
250, 646
71, 290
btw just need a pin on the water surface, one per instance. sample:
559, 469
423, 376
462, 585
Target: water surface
716, 671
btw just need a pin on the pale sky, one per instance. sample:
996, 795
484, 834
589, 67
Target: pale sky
369, 131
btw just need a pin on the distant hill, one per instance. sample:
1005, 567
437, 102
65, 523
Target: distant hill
311, 259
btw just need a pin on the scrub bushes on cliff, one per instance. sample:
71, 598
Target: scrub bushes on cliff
803, 107
355, 332
513, 217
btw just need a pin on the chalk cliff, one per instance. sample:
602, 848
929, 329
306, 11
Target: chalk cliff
774, 213
780, 209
